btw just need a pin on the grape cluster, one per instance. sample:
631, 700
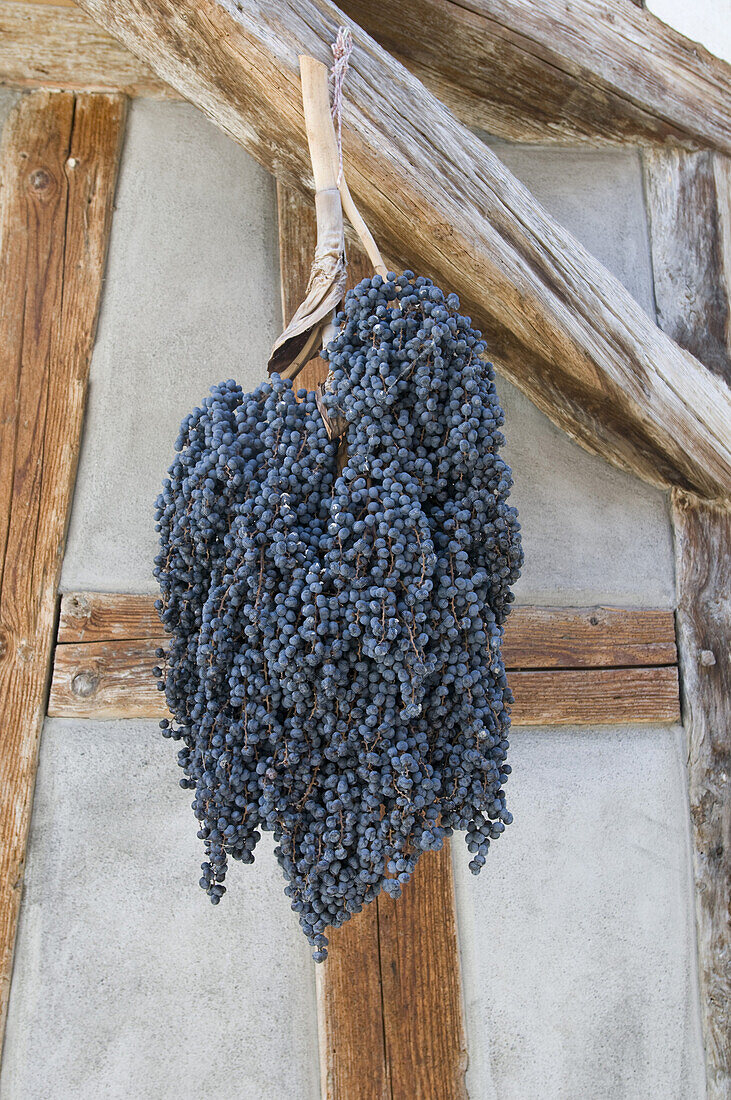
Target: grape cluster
334, 672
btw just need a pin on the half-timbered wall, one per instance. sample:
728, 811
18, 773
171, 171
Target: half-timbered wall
577, 941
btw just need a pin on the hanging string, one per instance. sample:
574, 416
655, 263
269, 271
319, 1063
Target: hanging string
342, 48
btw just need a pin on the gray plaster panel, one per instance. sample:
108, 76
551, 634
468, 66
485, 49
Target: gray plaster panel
598, 196
127, 982
577, 939
591, 533
8, 98
191, 297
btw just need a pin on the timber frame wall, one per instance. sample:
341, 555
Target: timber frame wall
58, 169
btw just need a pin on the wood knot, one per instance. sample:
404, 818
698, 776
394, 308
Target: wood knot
79, 606
708, 658
3, 644
594, 620
40, 180
84, 684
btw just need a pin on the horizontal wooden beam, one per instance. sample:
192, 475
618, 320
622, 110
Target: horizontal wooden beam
49, 45
585, 665
551, 71
535, 637
106, 616
556, 322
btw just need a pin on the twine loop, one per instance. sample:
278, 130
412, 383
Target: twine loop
342, 48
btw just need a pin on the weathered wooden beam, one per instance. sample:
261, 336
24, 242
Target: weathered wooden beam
58, 167
523, 79
596, 70
114, 680
689, 207
535, 637
105, 616
557, 323
421, 985
351, 1032
689, 210
364, 1051
703, 569
51, 45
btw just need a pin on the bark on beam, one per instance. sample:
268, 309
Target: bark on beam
597, 70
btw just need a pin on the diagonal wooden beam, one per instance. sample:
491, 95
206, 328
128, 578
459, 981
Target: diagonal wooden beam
554, 71
58, 168
557, 323
51, 45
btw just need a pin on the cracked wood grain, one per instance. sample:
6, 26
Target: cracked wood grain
58, 168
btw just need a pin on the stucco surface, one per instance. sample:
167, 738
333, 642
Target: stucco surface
8, 99
192, 296
577, 939
592, 534
127, 982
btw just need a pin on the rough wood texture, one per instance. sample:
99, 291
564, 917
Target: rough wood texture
113, 679
535, 637
703, 569
597, 70
422, 994
104, 616
353, 1060
588, 637
595, 696
557, 323
688, 204
525, 72
58, 46
58, 168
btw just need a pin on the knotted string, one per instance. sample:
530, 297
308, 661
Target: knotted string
342, 48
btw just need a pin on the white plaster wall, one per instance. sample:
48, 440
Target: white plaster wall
577, 938
128, 984
191, 297
124, 972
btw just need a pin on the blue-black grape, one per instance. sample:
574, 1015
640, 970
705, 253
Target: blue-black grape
334, 671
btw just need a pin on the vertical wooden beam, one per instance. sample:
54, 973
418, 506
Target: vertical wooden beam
353, 1063
422, 991
689, 208
58, 167
389, 994
703, 567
